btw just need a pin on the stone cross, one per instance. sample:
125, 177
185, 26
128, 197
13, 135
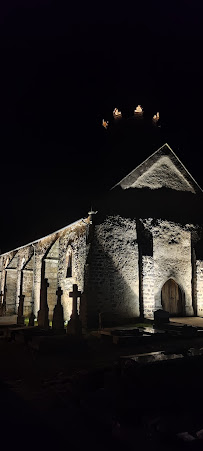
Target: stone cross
74, 326
58, 318
20, 318
75, 294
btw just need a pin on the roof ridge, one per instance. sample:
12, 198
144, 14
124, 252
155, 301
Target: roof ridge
146, 159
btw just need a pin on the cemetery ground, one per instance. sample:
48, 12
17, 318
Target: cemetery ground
84, 395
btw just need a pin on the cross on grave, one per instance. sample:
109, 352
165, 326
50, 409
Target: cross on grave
74, 326
59, 293
75, 294
58, 318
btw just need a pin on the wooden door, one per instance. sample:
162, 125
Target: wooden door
172, 298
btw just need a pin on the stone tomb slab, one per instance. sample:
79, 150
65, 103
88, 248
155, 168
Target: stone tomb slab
161, 356
153, 330
128, 335
151, 357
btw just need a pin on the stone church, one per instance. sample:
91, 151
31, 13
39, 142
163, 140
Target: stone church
140, 251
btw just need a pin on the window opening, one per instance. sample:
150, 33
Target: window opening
69, 267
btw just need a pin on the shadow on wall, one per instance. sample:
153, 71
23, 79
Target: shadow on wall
161, 203
107, 292
199, 249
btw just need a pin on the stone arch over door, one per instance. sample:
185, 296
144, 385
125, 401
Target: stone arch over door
173, 298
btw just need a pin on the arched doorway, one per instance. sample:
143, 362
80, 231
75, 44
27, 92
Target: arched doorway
172, 298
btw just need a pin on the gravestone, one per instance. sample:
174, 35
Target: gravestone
43, 314
58, 318
74, 326
21, 318
161, 317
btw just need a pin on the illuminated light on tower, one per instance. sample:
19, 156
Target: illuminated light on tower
156, 117
105, 124
138, 110
116, 113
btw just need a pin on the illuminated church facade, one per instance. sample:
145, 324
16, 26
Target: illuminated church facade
141, 251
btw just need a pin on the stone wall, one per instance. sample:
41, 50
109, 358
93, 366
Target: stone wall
51, 273
199, 266
112, 277
22, 269
105, 266
172, 258
27, 285
148, 286
73, 242
11, 283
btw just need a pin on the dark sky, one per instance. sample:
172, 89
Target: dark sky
64, 68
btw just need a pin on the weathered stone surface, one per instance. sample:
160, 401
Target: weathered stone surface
120, 260
171, 258
21, 269
113, 280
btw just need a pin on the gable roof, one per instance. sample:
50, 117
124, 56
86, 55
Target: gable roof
162, 169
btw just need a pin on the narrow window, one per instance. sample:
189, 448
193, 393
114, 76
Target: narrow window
69, 267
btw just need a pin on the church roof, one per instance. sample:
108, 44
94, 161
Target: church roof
50, 235
162, 169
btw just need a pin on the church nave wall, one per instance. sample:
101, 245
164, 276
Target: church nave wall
199, 267
113, 279
148, 286
72, 259
172, 259
21, 269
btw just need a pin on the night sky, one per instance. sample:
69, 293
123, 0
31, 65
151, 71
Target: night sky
65, 68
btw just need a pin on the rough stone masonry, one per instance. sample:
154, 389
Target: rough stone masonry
140, 252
